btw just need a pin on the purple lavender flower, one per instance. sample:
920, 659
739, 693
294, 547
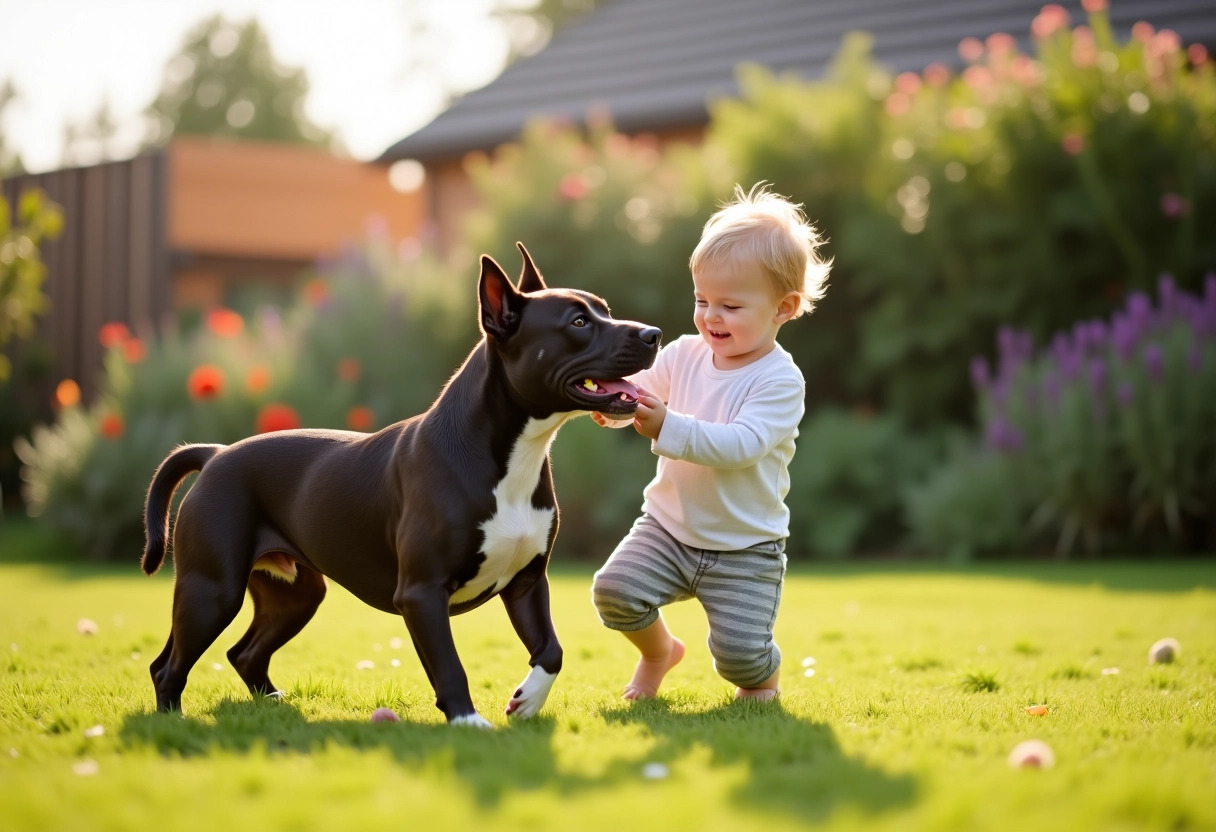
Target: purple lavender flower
1123, 336
1139, 310
1002, 436
1097, 375
1154, 362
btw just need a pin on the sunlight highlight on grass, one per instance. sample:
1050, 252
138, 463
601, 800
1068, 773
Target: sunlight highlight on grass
922, 685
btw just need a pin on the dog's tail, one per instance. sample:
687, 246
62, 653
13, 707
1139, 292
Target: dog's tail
177, 465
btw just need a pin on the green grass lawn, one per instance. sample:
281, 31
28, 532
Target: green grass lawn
921, 681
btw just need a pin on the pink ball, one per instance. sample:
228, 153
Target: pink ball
385, 715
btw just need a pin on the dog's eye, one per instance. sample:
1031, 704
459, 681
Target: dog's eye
580, 321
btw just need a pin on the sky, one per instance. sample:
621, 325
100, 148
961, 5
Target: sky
370, 80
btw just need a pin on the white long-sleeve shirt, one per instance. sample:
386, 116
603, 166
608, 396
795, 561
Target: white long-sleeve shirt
725, 446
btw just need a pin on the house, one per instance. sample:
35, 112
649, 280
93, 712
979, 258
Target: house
654, 65
186, 225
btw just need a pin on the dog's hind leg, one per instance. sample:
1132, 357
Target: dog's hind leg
202, 608
280, 611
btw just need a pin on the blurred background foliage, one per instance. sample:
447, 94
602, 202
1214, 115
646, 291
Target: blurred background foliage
1015, 355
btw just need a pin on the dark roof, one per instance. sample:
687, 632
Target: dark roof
654, 64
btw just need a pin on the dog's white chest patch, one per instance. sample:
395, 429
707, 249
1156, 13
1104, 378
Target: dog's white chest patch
517, 532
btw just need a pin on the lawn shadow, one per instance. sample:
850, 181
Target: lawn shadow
490, 763
794, 765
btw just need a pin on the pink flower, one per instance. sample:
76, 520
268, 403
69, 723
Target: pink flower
1000, 44
1198, 53
937, 75
1084, 48
573, 187
1073, 143
1050, 19
907, 83
1142, 31
1026, 71
1174, 206
1093, 6
970, 49
897, 104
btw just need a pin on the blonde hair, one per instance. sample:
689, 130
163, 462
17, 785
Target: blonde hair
764, 228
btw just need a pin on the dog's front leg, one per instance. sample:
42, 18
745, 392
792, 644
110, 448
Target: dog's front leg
425, 610
526, 598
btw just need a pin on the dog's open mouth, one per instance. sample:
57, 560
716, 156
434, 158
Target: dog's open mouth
608, 395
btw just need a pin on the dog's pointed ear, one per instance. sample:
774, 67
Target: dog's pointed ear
500, 303
530, 280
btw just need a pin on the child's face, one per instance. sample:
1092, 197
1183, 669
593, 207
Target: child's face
738, 312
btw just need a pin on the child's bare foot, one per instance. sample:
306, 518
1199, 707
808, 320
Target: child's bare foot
759, 694
764, 691
649, 673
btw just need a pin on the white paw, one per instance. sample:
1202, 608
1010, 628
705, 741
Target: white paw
530, 697
475, 719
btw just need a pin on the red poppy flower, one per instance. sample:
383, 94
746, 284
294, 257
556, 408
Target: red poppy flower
257, 379
112, 426
113, 334
134, 351
316, 292
360, 418
225, 323
206, 382
277, 417
67, 393
349, 369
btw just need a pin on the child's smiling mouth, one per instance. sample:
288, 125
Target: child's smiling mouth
716, 335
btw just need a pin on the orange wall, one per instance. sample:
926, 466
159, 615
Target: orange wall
282, 202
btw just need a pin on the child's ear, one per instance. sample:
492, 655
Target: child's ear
788, 306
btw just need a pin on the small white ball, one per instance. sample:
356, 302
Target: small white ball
385, 715
1032, 754
1164, 651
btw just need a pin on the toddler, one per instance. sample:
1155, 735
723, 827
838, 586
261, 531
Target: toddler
721, 409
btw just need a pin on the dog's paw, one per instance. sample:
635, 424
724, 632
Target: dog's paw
530, 696
474, 719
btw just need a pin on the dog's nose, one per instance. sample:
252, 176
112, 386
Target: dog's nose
650, 334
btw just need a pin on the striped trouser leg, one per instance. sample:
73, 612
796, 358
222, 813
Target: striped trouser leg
647, 570
741, 592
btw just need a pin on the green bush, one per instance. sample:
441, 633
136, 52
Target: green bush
1032, 190
1105, 440
966, 508
846, 483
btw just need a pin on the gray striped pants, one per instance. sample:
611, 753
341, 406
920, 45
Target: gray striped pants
739, 590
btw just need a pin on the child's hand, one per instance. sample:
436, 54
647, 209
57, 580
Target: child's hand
604, 421
648, 420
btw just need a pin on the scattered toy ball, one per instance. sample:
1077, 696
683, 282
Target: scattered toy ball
1164, 651
654, 771
385, 715
1037, 710
1032, 754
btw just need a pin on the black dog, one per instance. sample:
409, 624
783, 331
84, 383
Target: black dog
427, 518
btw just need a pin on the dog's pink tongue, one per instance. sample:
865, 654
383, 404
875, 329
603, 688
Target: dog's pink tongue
617, 386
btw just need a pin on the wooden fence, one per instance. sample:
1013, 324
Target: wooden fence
111, 263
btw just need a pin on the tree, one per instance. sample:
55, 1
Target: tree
88, 142
21, 266
10, 161
225, 81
